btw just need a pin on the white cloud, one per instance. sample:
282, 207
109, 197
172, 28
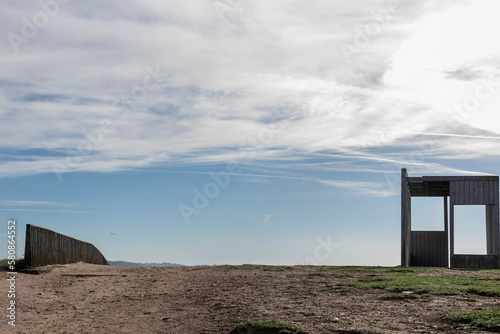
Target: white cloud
268, 216
33, 203
235, 79
40, 206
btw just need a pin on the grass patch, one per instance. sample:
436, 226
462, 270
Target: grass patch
486, 285
397, 269
22, 267
277, 268
482, 319
267, 327
264, 267
260, 266
329, 275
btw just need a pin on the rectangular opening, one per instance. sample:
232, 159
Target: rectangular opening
470, 229
427, 214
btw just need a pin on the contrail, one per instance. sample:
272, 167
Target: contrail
454, 135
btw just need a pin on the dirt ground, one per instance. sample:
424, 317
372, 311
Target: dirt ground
86, 298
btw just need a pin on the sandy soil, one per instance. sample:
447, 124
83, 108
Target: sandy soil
85, 298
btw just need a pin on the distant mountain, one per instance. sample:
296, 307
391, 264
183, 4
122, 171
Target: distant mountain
139, 264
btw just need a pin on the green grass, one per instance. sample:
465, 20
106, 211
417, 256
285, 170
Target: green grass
483, 319
19, 264
485, 285
329, 275
259, 266
397, 269
323, 268
22, 267
267, 326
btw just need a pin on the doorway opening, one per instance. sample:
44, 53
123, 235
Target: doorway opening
470, 229
428, 214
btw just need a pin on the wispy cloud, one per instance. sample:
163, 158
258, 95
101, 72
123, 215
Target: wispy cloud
34, 203
267, 217
41, 210
367, 188
201, 82
457, 135
40, 206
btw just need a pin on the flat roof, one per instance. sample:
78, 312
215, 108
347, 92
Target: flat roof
439, 186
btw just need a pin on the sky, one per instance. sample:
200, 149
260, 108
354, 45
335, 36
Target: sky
232, 131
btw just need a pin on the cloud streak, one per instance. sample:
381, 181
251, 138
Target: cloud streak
124, 86
33, 203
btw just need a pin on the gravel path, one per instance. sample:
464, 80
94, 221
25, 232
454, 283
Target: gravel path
85, 298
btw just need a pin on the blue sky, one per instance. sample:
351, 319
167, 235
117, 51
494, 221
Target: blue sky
224, 131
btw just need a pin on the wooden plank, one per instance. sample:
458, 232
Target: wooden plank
474, 261
480, 194
492, 190
490, 239
466, 192
452, 230
433, 251
463, 192
469, 192
459, 193
452, 192
27, 245
488, 198
405, 232
445, 211
496, 224
476, 192
453, 178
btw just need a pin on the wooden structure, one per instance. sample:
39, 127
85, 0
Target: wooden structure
44, 247
437, 248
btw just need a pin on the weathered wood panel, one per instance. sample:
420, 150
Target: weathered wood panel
474, 261
472, 192
496, 224
490, 229
44, 247
405, 219
453, 178
429, 248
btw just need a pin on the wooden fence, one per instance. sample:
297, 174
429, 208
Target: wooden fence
44, 247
